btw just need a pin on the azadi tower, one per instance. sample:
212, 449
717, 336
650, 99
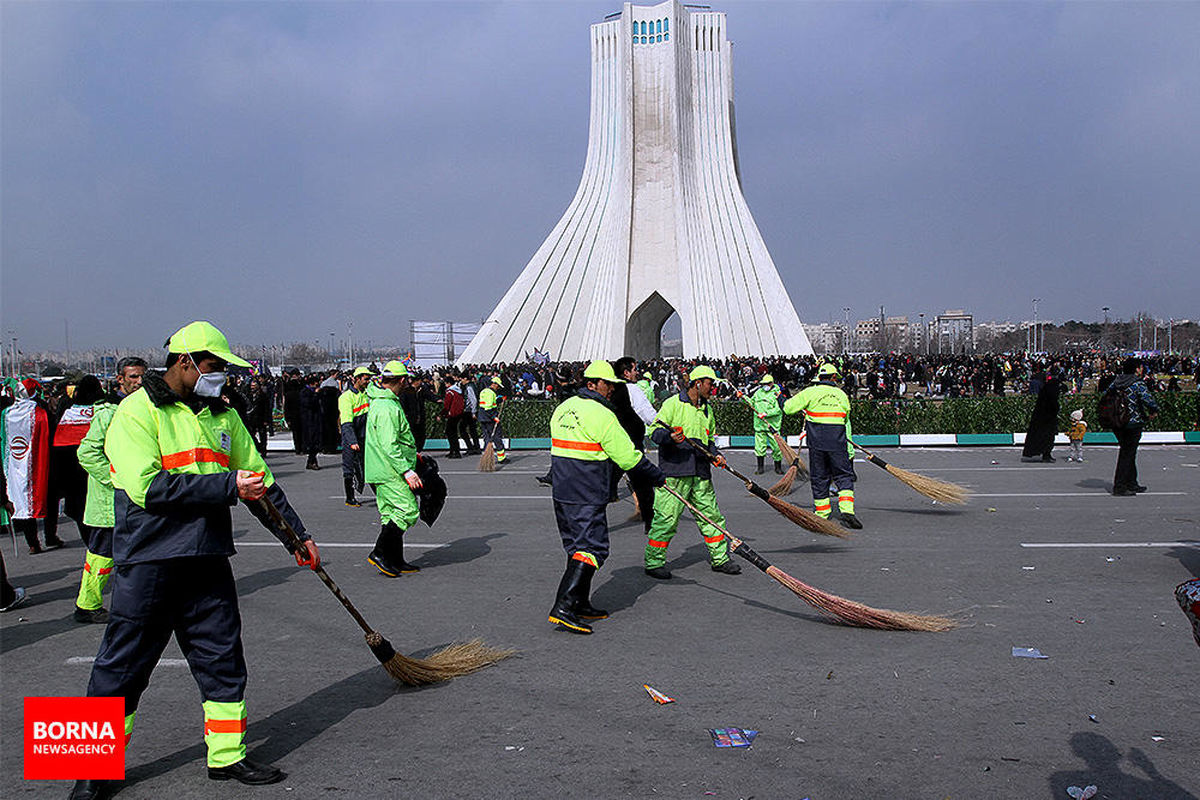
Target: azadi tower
659, 223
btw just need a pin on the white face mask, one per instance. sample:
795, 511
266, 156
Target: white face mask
209, 384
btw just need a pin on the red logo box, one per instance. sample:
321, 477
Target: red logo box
74, 738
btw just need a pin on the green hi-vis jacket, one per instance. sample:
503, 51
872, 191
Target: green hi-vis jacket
98, 511
826, 411
585, 437
352, 416
766, 402
174, 466
488, 403
390, 449
699, 425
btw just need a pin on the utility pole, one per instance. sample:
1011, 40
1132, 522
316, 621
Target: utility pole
846, 343
1036, 300
1104, 331
1141, 318
350, 333
1170, 324
882, 333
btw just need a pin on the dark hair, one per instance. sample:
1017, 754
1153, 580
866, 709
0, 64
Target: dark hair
1130, 365
87, 391
623, 363
198, 356
130, 361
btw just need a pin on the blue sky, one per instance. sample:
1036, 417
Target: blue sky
284, 168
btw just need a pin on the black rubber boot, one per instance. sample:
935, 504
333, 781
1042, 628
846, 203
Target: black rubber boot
760, 469
396, 549
381, 556
851, 521
778, 467
583, 604
563, 614
350, 501
248, 772
94, 790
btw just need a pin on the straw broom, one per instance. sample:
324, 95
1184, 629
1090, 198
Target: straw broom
799, 516
942, 491
449, 662
487, 459
847, 611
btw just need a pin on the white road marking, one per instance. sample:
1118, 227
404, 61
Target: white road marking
989, 469
1098, 493
1102, 545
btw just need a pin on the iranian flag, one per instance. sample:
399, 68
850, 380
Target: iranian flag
26, 457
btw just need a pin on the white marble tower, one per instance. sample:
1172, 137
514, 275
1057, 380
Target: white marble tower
659, 223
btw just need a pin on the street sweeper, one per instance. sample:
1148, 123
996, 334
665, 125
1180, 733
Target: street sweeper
390, 466
586, 440
180, 458
826, 410
686, 422
768, 419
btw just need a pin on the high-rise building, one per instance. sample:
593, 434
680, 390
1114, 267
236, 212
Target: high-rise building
658, 223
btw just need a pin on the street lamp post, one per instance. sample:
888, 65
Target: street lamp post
1036, 300
1104, 331
846, 339
924, 340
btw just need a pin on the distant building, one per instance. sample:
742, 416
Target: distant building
953, 332
895, 334
827, 337
439, 343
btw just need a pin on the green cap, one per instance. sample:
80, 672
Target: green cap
361, 371
702, 371
647, 375
601, 370
768, 378
827, 369
203, 337
394, 369
496, 381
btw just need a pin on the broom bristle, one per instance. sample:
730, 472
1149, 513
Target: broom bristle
786, 484
807, 519
789, 455
449, 662
857, 614
637, 507
487, 461
942, 491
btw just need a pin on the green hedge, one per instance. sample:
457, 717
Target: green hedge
1178, 412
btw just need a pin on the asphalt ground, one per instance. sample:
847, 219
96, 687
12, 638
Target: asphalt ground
841, 712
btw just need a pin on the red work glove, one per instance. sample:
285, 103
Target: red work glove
309, 556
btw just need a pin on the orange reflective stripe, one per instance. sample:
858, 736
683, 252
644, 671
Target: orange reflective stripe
822, 505
87, 567
224, 726
363, 407
835, 414
194, 456
657, 543
591, 447
845, 495
714, 539
128, 736
105, 570
586, 558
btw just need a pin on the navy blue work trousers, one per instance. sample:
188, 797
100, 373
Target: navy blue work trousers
830, 466
584, 529
194, 598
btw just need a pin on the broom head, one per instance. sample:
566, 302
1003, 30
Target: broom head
942, 491
487, 461
449, 662
807, 519
789, 455
787, 484
858, 615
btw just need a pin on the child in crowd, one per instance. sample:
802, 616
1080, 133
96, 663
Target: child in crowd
1075, 434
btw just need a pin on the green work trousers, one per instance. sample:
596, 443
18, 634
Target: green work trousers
667, 510
764, 440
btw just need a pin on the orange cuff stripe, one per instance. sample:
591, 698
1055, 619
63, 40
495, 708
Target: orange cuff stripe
714, 539
198, 454
591, 447
586, 558
358, 409
657, 543
87, 567
224, 726
105, 570
830, 414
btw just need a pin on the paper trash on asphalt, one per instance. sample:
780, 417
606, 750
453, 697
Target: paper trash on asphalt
656, 695
1027, 652
732, 737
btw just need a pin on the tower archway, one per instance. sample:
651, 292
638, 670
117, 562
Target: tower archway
643, 330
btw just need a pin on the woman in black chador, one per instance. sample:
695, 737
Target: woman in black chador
1043, 423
